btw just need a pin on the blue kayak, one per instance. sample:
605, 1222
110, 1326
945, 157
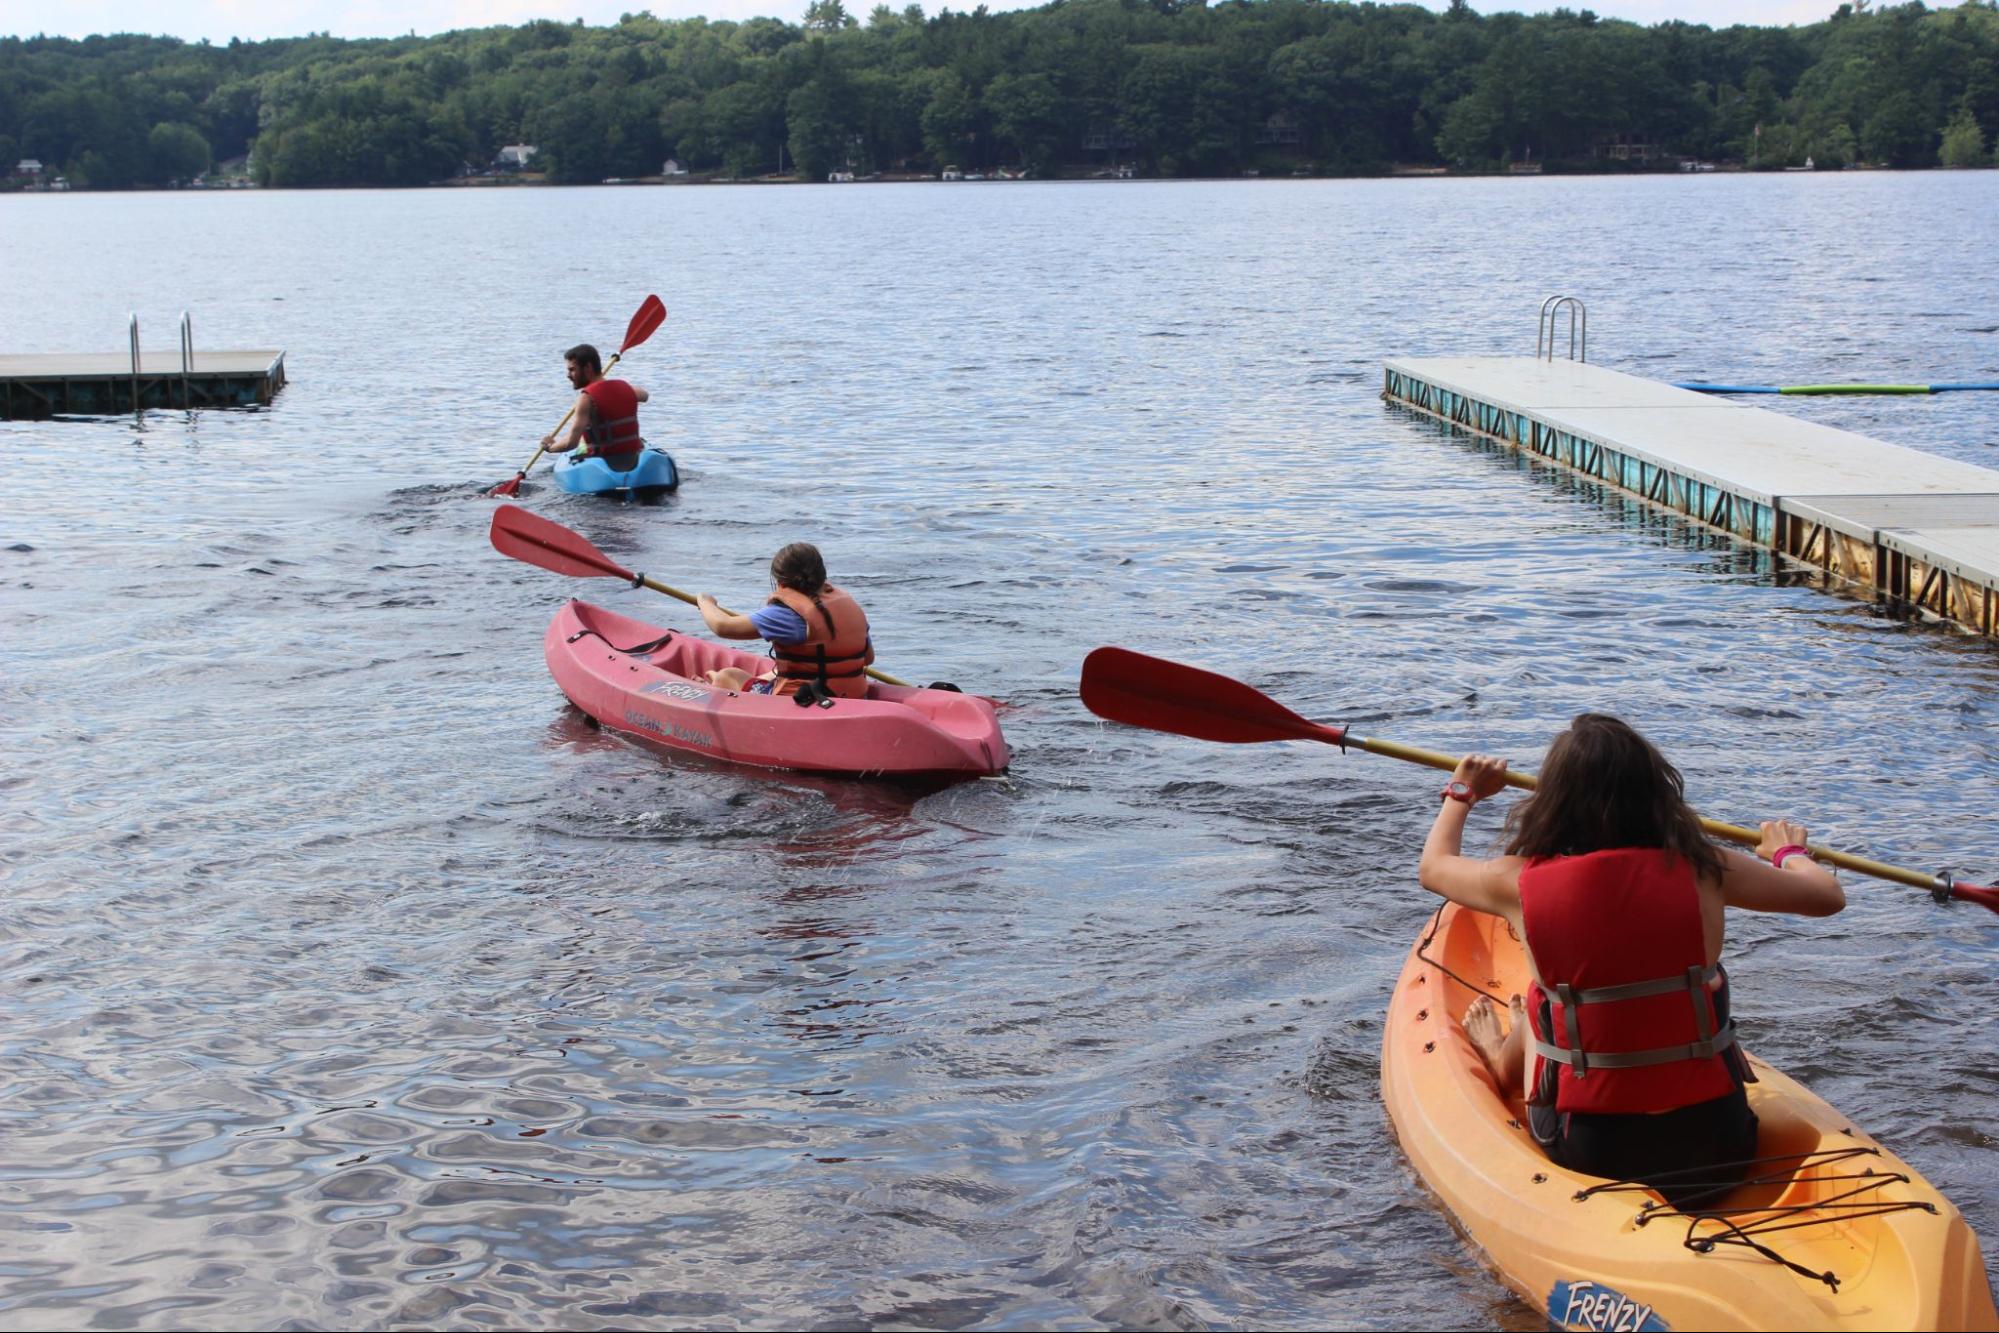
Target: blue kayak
653, 471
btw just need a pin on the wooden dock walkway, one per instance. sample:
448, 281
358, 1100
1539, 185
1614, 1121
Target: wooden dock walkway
1900, 523
88, 384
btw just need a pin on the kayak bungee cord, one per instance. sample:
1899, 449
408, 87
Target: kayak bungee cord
1422, 952
1771, 1217
632, 651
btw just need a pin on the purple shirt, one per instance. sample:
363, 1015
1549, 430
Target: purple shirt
779, 624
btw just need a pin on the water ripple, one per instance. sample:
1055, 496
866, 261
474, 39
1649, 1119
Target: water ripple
358, 981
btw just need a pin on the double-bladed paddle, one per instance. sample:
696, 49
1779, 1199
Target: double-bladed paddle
1152, 692
650, 315
538, 541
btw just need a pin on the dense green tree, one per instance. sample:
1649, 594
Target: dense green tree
1158, 100
827, 16
1184, 86
947, 118
1964, 142
1898, 133
572, 139
745, 126
85, 132
815, 129
1027, 115
177, 152
1836, 147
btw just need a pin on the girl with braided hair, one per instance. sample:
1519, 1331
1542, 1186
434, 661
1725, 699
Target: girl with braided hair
817, 632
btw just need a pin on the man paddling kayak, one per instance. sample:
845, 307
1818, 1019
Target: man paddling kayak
606, 419
1623, 1048
817, 632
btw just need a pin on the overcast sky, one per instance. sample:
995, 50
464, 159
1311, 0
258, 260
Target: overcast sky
219, 20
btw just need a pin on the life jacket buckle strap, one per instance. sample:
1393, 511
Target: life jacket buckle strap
1578, 1059
814, 658
1703, 1007
811, 693
1693, 978
1661, 1055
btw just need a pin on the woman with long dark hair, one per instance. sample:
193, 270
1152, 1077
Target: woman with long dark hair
1623, 1047
817, 632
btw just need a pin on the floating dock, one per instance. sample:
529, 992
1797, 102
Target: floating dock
1903, 524
86, 384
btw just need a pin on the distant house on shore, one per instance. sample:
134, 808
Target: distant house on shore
1281, 128
515, 157
672, 168
1623, 148
28, 169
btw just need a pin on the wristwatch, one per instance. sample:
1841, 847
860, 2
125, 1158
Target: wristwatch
1458, 791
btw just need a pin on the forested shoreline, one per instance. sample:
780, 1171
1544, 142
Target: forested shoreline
1162, 87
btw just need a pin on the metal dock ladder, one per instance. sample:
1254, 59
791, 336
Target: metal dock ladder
1544, 330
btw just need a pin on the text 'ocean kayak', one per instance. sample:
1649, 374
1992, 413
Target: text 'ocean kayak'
1832, 1231
641, 679
654, 471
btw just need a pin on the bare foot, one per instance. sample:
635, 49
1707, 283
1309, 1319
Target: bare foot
1515, 1055
1504, 1050
1482, 1026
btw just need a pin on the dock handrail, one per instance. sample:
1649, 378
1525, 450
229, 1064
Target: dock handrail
132, 332
1544, 328
186, 358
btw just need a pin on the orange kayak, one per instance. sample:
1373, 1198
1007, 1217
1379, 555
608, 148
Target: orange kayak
1832, 1231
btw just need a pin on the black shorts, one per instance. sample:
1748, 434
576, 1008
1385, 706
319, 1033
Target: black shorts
1710, 1142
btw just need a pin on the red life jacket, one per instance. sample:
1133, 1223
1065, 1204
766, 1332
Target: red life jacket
834, 651
1625, 1014
615, 433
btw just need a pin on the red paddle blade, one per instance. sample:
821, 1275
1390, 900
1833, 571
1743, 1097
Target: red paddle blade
510, 487
1151, 692
1976, 893
651, 314
537, 541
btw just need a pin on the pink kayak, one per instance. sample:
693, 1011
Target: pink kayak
646, 681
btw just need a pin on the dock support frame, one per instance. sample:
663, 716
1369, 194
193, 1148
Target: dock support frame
1873, 563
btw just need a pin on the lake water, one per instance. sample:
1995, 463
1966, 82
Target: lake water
352, 979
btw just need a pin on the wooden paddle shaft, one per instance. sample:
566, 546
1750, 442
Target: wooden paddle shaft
1731, 832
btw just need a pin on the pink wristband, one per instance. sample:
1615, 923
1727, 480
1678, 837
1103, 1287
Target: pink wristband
1786, 852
